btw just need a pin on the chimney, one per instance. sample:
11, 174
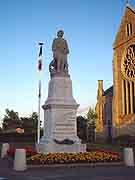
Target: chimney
100, 88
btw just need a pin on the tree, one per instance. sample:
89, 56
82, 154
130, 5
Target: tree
34, 119
11, 120
91, 123
81, 127
29, 124
92, 116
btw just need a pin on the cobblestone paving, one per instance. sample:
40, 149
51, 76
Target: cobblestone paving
67, 173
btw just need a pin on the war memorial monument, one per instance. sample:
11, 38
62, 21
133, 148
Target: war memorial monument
60, 130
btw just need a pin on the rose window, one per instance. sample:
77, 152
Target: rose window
128, 63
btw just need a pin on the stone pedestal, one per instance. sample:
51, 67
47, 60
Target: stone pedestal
60, 119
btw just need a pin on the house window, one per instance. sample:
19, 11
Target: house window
129, 29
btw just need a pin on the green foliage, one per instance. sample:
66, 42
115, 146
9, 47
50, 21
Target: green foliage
81, 127
91, 116
91, 124
86, 126
11, 120
30, 123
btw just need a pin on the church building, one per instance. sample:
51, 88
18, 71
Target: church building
116, 106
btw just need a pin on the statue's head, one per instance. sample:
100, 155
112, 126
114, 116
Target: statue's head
60, 33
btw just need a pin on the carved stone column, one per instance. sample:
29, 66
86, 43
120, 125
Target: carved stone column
131, 97
134, 95
123, 98
127, 100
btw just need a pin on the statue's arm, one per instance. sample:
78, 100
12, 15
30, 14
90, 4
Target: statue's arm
66, 47
54, 45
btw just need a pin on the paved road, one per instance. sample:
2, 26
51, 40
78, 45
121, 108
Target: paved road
68, 173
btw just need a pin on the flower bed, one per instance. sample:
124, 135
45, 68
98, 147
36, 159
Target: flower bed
63, 158
97, 155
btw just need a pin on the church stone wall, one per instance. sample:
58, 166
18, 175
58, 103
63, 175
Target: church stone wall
121, 105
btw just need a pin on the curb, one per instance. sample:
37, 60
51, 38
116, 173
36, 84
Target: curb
121, 163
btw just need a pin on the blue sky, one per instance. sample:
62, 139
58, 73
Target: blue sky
90, 28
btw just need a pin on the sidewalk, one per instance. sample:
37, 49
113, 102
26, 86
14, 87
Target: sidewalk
105, 172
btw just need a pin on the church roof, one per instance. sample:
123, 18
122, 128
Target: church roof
128, 17
108, 92
130, 8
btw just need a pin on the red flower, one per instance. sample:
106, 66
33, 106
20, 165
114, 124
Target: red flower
30, 149
107, 151
11, 150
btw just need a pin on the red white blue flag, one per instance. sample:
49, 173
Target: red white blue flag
40, 59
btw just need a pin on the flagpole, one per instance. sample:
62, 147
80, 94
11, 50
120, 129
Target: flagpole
39, 90
39, 104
